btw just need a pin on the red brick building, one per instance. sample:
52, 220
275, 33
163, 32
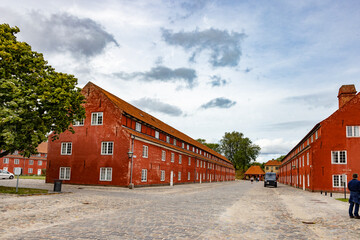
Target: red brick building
118, 144
330, 153
34, 165
255, 172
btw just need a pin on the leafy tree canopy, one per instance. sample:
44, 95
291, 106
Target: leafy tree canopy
34, 99
280, 158
239, 149
213, 146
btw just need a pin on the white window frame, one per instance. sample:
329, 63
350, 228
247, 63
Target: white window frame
188, 175
308, 180
167, 139
174, 142
6, 160
16, 161
180, 159
145, 153
163, 155
30, 170
162, 175
157, 134
172, 157
353, 131
106, 174
307, 158
189, 163
97, 118
138, 127
340, 181
338, 155
66, 148
183, 145
179, 176
107, 148
64, 173
31, 162
78, 123
143, 175
39, 163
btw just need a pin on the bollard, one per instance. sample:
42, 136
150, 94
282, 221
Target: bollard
331, 194
325, 193
321, 192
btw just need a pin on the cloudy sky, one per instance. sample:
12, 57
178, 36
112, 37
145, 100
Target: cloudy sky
268, 69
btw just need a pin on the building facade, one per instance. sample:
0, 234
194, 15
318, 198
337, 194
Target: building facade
272, 166
34, 165
329, 154
255, 172
118, 144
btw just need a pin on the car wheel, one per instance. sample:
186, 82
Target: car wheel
11, 177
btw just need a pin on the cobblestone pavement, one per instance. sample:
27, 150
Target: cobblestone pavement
229, 210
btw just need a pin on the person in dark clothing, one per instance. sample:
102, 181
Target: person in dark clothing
354, 187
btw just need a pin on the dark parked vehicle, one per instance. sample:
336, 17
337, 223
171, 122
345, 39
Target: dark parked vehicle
270, 179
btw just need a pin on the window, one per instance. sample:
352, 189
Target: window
31, 162
339, 180
303, 161
64, 173
189, 161
167, 139
267, 168
175, 142
203, 176
316, 135
145, 151
187, 147
338, 157
78, 123
30, 170
352, 131
157, 135
197, 163
97, 118
105, 174
307, 159
39, 162
182, 145
138, 127
188, 175
312, 138
197, 176
163, 155
172, 157
66, 148
179, 176
16, 161
180, 159
162, 178
6, 160
308, 180
107, 148
144, 175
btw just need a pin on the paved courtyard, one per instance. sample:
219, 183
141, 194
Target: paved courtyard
230, 210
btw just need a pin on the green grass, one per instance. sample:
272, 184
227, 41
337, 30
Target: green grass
342, 199
22, 191
31, 177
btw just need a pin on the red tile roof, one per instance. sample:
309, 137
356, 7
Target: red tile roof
42, 148
151, 120
255, 170
273, 163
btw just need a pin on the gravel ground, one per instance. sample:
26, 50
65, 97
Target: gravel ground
229, 210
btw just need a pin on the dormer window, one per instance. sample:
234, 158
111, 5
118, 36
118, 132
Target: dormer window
174, 141
167, 139
183, 145
138, 127
157, 134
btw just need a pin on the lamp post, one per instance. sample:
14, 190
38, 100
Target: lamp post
130, 155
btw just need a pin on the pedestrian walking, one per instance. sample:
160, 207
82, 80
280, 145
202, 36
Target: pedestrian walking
252, 179
354, 200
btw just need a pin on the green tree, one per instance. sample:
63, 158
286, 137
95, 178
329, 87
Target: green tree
280, 158
213, 146
34, 99
239, 149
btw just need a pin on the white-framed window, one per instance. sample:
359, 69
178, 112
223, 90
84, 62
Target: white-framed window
105, 174
183, 145
31, 162
16, 161
187, 147
308, 142
201, 164
162, 177
64, 173
30, 170
107, 148
303, 160
78, 123
145, 151
157, 135
352, 131
6, 160
180, 159
39, 162
172, 157
339, 180
179, 176
300, 179
188, 175
189, 161
167, 139
197, 163
138, 127
97, 118
316, 135
307, 159
174, 141
338, 157
312, 138
308, 180
163, 155
197, 176
66, 148
144, 175
203, 176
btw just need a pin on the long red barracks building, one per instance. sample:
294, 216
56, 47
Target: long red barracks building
329, 154
118, 144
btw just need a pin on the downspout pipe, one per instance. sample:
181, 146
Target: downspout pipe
131, 185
